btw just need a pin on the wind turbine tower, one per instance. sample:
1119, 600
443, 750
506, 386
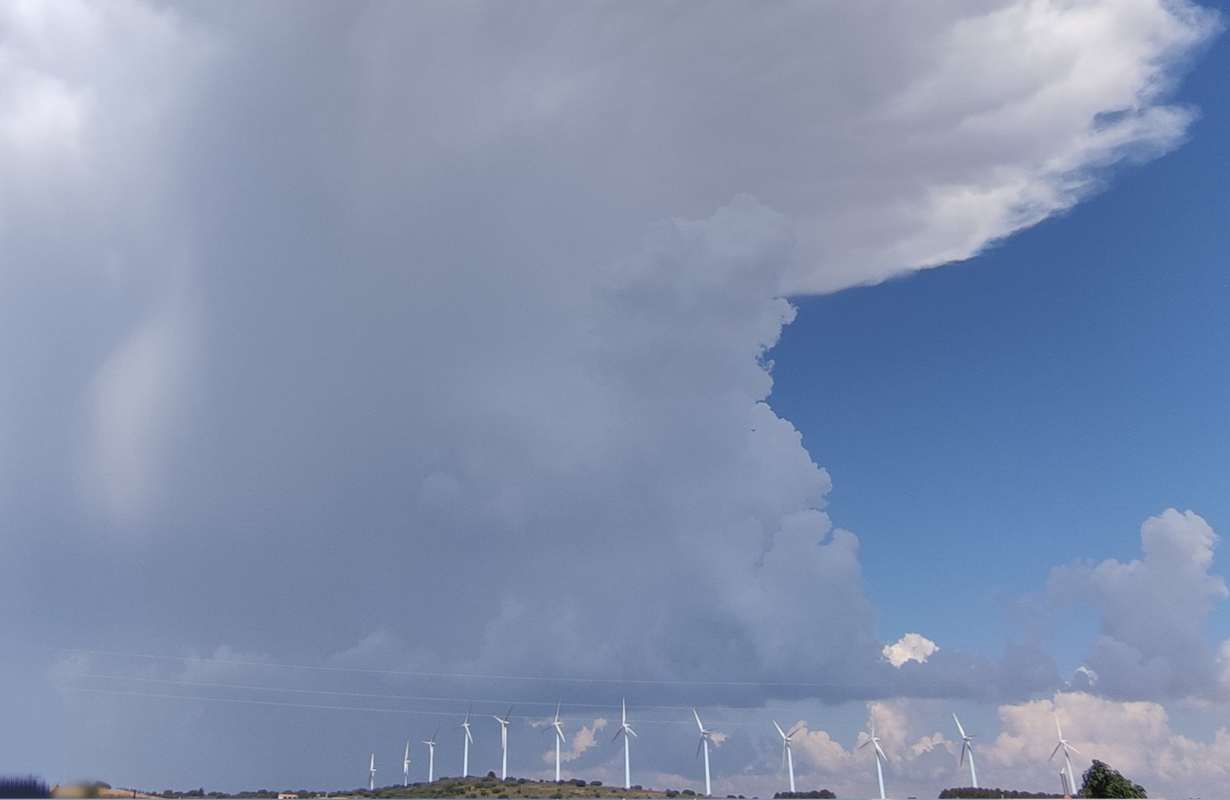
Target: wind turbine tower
787, 755
431, 756
558, 727
1067, 751
504, 720
405, 766
967, 747
371, 774
703, 746
625, 730
465, 748
874, 740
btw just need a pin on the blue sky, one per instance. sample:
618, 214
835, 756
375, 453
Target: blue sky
1033, 404
362, 354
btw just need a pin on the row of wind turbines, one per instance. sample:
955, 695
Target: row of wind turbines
627, 733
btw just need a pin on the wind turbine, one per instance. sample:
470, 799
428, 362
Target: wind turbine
967, 746
405, 766
625, 730
558, 727
1067, 750
465, 751
872, 739
431, 756
371, 774
787, 755
703, 744
504, 720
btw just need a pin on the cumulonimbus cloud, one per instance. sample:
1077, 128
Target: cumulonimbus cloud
493, 287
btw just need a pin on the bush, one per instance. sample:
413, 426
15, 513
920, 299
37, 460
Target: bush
595, 783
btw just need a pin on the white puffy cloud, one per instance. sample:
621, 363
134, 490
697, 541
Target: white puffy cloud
1134, 737
916, 758
578, 743
910, 647
1164, 652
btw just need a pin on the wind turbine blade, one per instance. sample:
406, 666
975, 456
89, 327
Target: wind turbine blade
880, 750
1058, 730
1058, 747
794, 730
961, 761
634, 734
557, 705
508, 716
699, 726
619, 732
780, 732
1073, 749
864, 744
960, 730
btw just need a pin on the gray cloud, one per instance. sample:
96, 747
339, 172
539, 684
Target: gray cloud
355, 335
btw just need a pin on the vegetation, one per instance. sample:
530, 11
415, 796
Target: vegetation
815, 794
473, 788
23, 787
1100, 780
492, 787
970, 791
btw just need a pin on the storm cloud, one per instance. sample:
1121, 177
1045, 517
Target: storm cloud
437, 336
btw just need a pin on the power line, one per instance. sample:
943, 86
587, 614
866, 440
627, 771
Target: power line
371, 695
469, 675
322, 707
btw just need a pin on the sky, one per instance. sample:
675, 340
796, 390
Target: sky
826, 364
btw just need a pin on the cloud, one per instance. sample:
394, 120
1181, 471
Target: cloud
910, 647
578, 743
1163, 653
398, 318
1134, 737
1083, 675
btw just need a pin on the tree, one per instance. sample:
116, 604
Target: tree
1101, 780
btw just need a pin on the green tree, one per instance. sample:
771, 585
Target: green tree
1101, 780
